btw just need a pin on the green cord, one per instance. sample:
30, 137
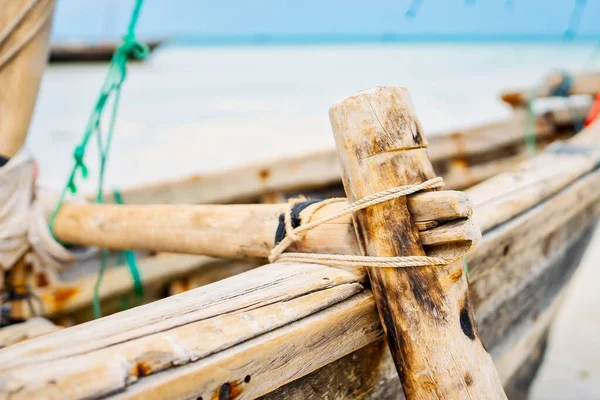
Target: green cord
530, 122
138, 286
466, 265
96, 299
116, 75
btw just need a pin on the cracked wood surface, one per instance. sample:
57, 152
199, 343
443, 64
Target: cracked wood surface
157, 320
103, 335
240, 231
425, 312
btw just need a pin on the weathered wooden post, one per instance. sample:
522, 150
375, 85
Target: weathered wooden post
425, 311
24, 44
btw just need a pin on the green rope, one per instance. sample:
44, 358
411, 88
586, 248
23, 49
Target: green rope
116, 75
96, 299
530, 124
138, 287
466, 266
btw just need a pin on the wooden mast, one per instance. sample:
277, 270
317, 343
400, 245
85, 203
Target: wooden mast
425, 311
24, 43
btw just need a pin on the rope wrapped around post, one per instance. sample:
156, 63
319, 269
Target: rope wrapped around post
296, 234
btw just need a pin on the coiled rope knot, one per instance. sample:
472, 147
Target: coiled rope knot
129, 49
296, 234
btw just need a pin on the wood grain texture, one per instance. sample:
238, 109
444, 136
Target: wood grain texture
32, 328
293, 293
369, 373
236, 231
535, 179
321, 170
74, 297
91, 341
425, 312
21, 73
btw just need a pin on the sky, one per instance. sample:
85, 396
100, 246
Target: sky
322, 19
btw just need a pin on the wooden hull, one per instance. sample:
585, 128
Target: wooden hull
303, 331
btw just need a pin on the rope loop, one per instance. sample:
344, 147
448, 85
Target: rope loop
296, 234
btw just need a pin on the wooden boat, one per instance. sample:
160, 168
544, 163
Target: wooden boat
313, 332
463, 158
61, 52
243, 329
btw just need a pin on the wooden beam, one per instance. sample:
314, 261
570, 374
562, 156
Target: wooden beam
369, 372
24, 43
427, 317
74, 297
496, 201
32, 328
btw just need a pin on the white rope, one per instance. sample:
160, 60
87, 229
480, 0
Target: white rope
24, 212
296, 234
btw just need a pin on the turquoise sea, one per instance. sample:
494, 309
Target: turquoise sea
194, 109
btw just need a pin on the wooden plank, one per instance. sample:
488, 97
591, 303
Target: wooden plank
534, 179
230, 231
126, 321
293, 293
463, 177
32, 328
321, 169
157, 272
521, 382
369, 372
496, 201
528, 330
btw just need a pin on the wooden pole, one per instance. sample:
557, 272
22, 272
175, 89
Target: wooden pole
24, 44
425, 311
243, 231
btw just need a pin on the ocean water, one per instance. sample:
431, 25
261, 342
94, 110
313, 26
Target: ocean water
193, 110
